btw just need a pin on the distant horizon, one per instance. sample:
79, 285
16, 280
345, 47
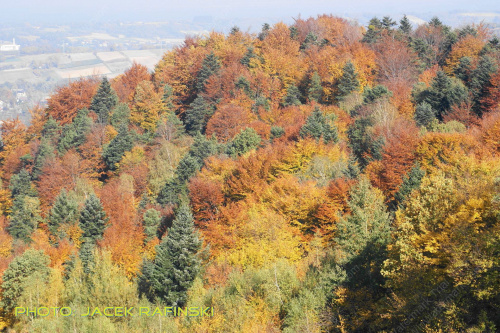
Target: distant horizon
93, 11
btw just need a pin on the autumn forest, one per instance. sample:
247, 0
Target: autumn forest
316, 177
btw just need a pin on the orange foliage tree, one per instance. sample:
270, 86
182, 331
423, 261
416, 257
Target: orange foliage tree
67, 100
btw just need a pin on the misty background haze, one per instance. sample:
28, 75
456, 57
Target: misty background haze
61, 11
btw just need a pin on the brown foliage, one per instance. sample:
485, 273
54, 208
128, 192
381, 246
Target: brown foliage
64, 104
125, 84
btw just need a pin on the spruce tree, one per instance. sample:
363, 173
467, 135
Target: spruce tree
114, 151
352, 171
176, 263
317, 126
480, 78
25, 218
363, 236
370, 95
405, 25
249, 55
197, 116
348, 82
410, 183
151, 220
120, 115
74, 134
292, 96
93, 219
209, 67
63, 211
243, 142
45, 152
103, 101
189, 165
424, 114
463, 70
277, 132
20, 185
373, 32
443, 93
387, 23
364, 145
31, 266
51, 130
315, 90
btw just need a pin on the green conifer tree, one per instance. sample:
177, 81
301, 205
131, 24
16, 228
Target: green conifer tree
151, 221
315, 90
31, 266
405, 25
243, 142
348, 82
103, 101
121, 143
292, 96
63, 211
424, 114
45, 153
317, 126
177, 263
74, 134
209, 67
93, 219
197, 116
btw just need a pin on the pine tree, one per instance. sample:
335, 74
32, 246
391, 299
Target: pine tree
103, 101
363, 235
292, 96
370, 95
277, 132
51, 130
176, 263
315, 90
151, 221
189, 165
265, 31
25, 218
45, 152
387, 23
93, 219
74, 134
20, 185
405, 25
317, 126
120, 115
443, 93
249, 55
479, 81
114, 151
243, 142
197, 116
209, 67
424, 114
31, 266
348, 82
364, 145
63, 211
373, 32
463, 70
352, 171
411, 182
168, 98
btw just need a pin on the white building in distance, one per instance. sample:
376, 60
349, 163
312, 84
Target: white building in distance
10, 47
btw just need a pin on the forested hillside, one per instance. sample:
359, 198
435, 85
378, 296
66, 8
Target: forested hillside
318, 177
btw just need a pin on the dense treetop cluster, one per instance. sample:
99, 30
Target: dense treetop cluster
317, 177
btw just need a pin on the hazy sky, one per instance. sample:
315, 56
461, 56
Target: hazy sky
153, 10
